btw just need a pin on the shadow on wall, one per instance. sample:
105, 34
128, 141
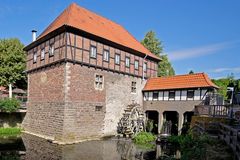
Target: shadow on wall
11, 119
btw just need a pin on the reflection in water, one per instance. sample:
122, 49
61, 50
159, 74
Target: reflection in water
40, 149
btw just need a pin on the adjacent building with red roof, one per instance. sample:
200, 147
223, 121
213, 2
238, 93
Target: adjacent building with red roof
174, 98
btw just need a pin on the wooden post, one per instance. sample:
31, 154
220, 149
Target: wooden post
10, 90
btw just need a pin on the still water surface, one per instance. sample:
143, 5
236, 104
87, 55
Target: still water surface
28, 147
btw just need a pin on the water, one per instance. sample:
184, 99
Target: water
28, 147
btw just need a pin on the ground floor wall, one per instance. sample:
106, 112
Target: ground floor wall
77, 110
162, 106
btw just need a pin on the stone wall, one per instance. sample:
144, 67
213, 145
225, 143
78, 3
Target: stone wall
63, 99
82, 120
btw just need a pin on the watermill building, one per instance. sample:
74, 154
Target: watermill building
84, 70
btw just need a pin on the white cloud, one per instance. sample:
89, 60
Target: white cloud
199, 51
229, 70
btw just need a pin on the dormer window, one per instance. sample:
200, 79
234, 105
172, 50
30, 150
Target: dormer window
51, 50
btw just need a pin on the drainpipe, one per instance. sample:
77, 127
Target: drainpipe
143, 67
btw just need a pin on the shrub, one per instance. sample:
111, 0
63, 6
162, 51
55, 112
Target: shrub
144, 138
10, 131
9, 105
149, 125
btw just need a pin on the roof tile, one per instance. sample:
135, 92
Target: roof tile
83, 19
179, 82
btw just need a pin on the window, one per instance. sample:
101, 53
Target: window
51, 50
145, 66
136, 63
117, 59
93, 52
171, 95
106, 55
34, 57
155, 95
98, 82
134, 87
190, 94
42, 54
127, 62
98, 108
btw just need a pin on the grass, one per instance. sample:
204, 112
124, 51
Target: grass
10, 131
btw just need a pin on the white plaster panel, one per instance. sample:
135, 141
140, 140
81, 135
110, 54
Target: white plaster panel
184, 95
160, 96
166, 95
150, 98
197, 95
177, 95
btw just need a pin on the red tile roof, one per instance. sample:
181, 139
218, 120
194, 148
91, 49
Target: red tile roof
197, 80
83, 19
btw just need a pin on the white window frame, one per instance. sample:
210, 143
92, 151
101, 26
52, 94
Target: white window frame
117, 59
127, 62
134, 87
51, 50
99, 82
42, 54
106, 55
155, 98
34, 57
145, 67
171, 98
93, 52
190, 98
136, 65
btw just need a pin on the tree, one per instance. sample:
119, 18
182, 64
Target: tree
154, 45
12, 62
191, 72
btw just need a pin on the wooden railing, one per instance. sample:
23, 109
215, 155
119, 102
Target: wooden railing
213, 110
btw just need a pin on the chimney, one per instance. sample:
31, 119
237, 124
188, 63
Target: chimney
34, 35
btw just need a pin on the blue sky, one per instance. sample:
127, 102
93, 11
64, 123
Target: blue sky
203, 35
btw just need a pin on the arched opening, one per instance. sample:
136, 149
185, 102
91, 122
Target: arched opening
171, 117
152, 121
187, 121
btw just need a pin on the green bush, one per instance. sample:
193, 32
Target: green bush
144, 138
10, 131
149, 125
9, 105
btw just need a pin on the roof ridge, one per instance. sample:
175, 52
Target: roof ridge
180, 75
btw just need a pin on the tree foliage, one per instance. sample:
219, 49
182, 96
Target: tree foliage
191, 72
223, 83
9, 105
154, 45
12, 61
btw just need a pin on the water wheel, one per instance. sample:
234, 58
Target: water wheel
132, 121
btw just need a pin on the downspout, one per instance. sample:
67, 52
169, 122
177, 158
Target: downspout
143, 67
